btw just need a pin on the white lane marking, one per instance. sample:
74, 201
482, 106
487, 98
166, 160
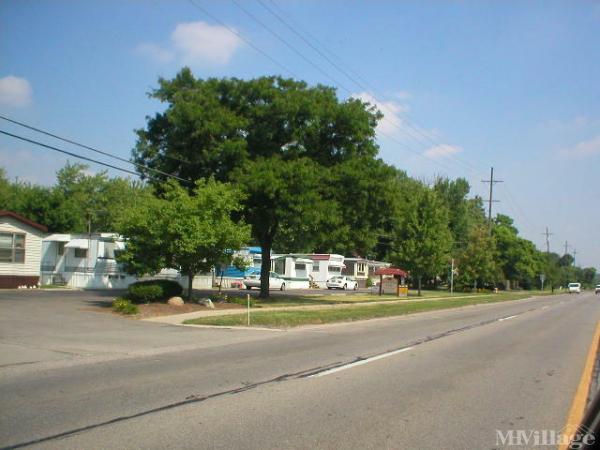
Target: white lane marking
507, 318
361, 362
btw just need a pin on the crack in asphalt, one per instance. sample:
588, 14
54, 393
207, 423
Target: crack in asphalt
247, 387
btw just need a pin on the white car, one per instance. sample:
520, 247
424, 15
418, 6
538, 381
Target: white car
597, 289
574, 288
275, 281
342, 282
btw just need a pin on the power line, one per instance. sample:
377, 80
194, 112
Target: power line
87, 147
364, 86
316, 66
247, 41
74, 155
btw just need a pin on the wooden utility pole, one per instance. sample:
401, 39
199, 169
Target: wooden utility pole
491, 195
547, 234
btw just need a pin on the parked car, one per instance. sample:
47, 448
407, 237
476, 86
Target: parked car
598, 289
275, 281
574, 288
342, 282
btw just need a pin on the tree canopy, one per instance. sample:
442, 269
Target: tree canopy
189, 233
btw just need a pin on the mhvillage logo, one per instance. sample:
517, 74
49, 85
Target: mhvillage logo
578, 438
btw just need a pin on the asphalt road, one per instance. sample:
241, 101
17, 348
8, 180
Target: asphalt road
445, 379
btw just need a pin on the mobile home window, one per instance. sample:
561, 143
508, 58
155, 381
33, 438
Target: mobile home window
12, 248
61, 248
335, 269
315, 266
300, 266
81, 253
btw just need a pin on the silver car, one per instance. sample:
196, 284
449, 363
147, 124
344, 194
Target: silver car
275, 281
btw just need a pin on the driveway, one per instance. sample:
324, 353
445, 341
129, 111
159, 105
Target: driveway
53, 328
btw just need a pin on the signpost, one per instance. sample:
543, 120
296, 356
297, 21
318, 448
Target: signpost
542, 279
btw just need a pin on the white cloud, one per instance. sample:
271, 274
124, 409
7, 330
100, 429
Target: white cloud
442, 151
392, 121
204, 43
155, 52
195, 43
15, 91
583, 149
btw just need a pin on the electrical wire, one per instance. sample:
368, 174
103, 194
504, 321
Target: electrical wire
87, 147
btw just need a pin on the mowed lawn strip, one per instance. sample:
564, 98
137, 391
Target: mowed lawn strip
287, 319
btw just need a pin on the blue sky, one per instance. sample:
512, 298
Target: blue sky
464, 85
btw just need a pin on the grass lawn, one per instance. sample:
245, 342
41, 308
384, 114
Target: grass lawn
286, 319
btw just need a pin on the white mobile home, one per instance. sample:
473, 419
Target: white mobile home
88, 261
20, 250
325, 266
83, 261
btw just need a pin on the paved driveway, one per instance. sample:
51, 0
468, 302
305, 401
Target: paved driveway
56, 328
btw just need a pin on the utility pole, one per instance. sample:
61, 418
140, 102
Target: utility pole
574, 256
491, 197
547, 234
567, 247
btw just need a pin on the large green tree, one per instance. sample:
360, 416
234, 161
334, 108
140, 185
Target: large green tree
234, 129
422, 241
477, 265
189, 233
518, 259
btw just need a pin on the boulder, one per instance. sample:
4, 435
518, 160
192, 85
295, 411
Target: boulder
175, 301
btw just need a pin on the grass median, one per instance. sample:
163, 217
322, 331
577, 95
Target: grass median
294, 318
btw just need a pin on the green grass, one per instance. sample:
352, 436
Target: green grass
286, 319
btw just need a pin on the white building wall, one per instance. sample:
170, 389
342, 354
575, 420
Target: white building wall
33, 248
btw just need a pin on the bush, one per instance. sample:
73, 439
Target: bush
124, 306
369, 283
240, 301
153, 290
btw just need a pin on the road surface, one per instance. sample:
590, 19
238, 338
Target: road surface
447, 379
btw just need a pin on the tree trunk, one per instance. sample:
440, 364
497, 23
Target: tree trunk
221, 281
419, 284
265, 267
190, 276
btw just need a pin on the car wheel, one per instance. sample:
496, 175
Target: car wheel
345, 287
356, 287
248, 287
282, 288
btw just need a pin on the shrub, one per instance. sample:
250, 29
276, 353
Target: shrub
369, 283
240, 301
124, 306
153, 290
145, 293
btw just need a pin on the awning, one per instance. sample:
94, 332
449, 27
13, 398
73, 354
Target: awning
391, 271
77, 243
58, 238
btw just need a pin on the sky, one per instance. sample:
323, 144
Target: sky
463, 85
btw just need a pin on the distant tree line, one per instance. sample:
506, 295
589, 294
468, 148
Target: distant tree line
304, 175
